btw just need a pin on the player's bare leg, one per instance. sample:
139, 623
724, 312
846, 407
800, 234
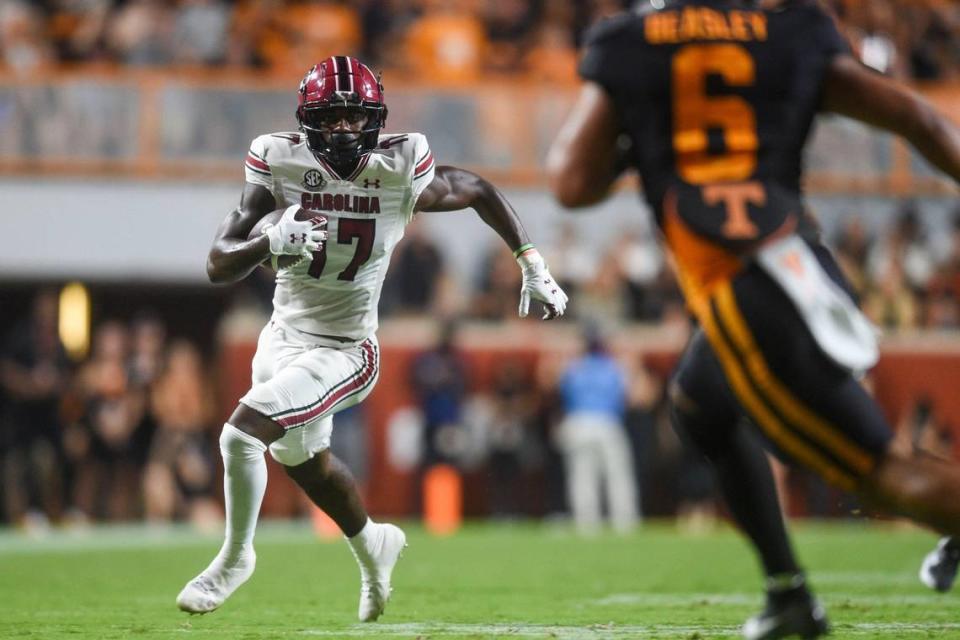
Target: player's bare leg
376, 546
243, 443
925, 489
330, 485
918, 486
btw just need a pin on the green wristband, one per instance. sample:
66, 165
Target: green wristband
524, 247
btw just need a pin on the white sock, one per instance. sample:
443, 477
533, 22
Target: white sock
244, 483
365, 541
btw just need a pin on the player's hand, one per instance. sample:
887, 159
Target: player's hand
292, 237
539, 285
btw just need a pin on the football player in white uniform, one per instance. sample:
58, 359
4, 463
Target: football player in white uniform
348, 191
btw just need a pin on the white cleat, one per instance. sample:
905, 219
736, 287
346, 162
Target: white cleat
376, 569
211, 588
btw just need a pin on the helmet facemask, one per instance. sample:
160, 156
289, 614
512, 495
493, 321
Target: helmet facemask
341, 132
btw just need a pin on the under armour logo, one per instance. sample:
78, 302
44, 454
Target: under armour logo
294, 237
375, 183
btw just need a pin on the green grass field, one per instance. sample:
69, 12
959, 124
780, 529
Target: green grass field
524, 581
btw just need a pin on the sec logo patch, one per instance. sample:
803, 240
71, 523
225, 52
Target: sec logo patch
313, 180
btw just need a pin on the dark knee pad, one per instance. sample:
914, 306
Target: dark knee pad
695, 428
702, 409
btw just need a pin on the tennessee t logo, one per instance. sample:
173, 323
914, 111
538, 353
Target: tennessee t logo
736, 197
375, 183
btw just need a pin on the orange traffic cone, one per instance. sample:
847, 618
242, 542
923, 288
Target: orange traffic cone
442, 500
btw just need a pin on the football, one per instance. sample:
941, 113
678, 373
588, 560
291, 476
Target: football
275, 263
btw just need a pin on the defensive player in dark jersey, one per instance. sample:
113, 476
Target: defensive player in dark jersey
717, 98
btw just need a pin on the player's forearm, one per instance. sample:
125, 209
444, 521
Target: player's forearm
931, 134
232, 260
852, 90
937, 140
497, 213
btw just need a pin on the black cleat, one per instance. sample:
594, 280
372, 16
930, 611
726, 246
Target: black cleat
939, 568
792, 614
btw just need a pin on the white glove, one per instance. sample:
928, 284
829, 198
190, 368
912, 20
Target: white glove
539, 285
291, 237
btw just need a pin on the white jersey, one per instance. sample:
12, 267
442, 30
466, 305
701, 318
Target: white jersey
337, 292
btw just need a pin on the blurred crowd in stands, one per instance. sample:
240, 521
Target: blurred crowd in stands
906, 39
125, 433
903, 281
447, 39
438, 40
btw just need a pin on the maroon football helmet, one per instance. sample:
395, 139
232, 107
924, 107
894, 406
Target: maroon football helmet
341, 87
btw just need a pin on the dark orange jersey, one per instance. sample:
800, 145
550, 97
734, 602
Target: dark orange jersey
718, 100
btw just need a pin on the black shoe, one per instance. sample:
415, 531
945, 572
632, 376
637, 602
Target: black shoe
791, 614
939, 568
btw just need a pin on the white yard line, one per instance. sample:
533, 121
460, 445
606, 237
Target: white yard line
118, 537
595, 632
872, 578
674, 599
522, 630
738, 599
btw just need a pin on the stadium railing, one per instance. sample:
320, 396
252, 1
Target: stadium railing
172, 125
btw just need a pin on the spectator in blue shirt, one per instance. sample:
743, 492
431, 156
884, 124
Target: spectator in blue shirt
593, 390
